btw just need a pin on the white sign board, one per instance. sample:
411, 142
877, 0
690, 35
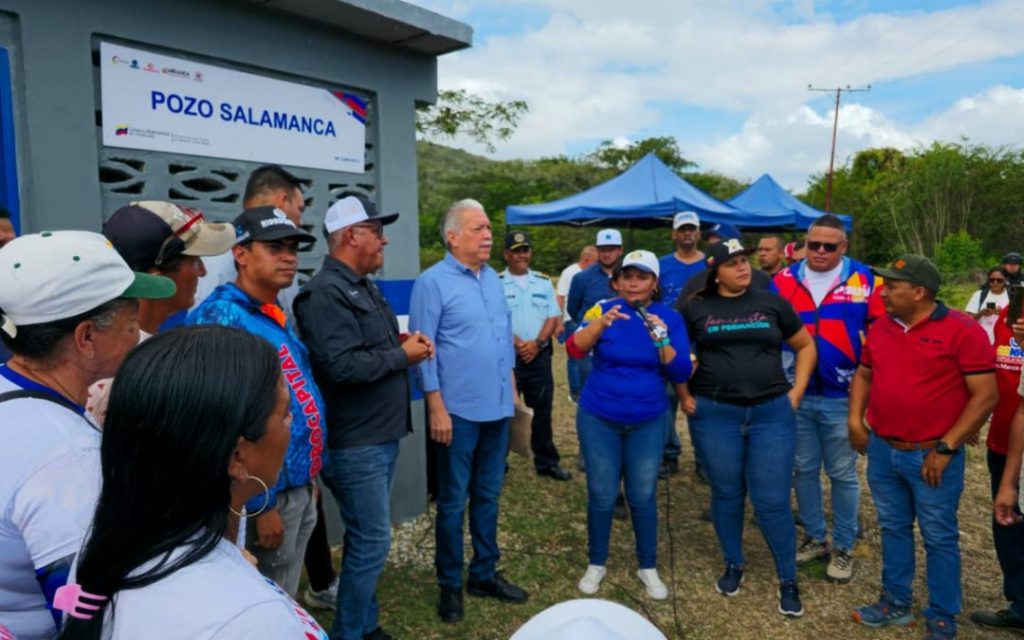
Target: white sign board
160, 103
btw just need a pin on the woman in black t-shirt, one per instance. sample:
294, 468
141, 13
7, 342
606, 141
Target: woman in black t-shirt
742, 411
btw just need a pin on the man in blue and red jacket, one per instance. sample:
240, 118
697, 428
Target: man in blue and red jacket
266, 254
836, 297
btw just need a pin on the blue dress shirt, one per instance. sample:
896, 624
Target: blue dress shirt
467, 318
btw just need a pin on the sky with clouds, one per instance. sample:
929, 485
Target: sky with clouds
729, 78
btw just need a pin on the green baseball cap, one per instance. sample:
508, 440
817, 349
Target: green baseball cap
912, 268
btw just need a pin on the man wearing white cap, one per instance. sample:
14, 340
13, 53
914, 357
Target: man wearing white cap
69, 316
360, 364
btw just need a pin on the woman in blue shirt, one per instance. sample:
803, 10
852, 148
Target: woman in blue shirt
637, 344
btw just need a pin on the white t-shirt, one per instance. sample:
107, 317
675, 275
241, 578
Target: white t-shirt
220, 597
49, 483
821, 282
564, 281
988, 323
221, 269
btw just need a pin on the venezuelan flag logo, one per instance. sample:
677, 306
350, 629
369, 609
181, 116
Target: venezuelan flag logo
121, 130
355, 105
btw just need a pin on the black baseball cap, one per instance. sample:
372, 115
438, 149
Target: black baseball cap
266, 224
1012, 258
150, 233
914, 269
725, 251
516, 239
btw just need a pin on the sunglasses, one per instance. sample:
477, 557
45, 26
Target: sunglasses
185, 232
996, 280
828, 247
375, 228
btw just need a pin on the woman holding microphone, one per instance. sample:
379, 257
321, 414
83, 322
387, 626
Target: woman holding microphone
638, 344
742, 411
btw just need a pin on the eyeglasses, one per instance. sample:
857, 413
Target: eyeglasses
828, 247
375, 228
996, 280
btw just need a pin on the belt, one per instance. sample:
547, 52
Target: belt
903, 445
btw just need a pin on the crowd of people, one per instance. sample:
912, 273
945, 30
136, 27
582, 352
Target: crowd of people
144, 487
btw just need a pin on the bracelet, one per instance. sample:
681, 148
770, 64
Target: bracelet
664, 342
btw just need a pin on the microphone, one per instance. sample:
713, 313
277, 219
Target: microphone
659, 333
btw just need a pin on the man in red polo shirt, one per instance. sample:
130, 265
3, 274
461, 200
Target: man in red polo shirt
927, 381
1008, 539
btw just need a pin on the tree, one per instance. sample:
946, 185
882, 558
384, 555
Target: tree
611, 156
459, 112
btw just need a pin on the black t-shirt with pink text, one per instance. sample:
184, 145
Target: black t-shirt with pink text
738, 345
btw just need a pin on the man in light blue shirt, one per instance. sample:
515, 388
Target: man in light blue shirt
535, 314
459, 305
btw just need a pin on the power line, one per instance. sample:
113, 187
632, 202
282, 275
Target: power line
835, 126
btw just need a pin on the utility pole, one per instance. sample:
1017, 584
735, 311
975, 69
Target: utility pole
835, 126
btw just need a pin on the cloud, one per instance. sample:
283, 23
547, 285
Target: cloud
605, 69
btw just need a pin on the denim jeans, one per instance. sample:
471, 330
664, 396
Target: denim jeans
572, 366
360, 479
614, 450
822, 437
473, 467
749, 450
900, 495
1009, 543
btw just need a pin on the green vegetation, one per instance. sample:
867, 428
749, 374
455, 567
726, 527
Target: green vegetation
960, 204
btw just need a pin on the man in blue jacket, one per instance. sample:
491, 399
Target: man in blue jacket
266, 254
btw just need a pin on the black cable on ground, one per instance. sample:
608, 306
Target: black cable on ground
671, 556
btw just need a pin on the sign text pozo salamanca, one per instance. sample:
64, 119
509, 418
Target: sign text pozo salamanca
203, 108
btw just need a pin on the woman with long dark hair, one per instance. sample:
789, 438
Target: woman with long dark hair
197, 425
639, 346
742, 411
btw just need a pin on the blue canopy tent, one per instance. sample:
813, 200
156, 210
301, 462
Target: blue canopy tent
646, 195
767, 198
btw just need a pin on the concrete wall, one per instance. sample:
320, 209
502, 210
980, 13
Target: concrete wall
55, 83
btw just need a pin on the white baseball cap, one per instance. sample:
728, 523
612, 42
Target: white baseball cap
351, 210
609, 238
685, 217
644, 260
55, 275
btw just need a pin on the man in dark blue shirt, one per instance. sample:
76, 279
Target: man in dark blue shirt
594, 284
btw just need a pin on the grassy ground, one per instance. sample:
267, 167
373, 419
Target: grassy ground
543, 538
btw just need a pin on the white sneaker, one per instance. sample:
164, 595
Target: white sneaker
655, 587
591, 580
325, 599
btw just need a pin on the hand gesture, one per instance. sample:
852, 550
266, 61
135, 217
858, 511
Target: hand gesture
614, 314
417, 348
527, 350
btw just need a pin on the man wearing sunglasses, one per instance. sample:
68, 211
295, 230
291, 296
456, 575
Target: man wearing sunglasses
836, 297
360, 363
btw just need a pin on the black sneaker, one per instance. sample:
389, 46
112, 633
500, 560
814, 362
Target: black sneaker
729, 584
498, 588
789, 599
1002, 619
449, 607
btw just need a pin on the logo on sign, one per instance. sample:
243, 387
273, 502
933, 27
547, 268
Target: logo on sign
121, 130
151, 68
177, 73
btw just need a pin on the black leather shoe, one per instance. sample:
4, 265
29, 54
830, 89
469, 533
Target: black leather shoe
557, 472
498, 588
449, 607
378, 634
1003, 619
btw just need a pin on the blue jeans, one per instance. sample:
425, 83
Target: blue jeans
822, 437
572, 366
900, 495
360, 479
473, 467
614, 450
749, 449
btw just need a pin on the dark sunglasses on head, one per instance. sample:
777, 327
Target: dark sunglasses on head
829, 247
996, 280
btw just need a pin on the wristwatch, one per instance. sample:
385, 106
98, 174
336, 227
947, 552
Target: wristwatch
943, 449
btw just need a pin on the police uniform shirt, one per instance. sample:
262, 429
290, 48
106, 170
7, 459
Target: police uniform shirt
531, 306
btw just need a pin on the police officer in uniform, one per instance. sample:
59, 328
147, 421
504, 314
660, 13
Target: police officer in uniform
535, 315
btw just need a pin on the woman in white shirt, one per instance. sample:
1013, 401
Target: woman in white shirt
198, 424
989, 300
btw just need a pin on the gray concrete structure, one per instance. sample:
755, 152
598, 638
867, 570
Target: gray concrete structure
381, 50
